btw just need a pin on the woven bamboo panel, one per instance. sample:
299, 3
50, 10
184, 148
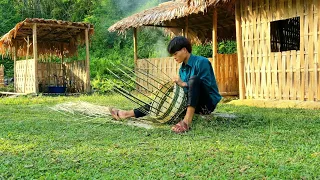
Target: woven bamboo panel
1, 75
25, 77
289, 75
226, 72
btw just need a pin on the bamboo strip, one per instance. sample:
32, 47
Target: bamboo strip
289, 75
279, 74
293, 85
255, 52
281, 10
316, 47
245, 34
283, 75
290, 9
317, 75
302, 41
259, 49
311, 41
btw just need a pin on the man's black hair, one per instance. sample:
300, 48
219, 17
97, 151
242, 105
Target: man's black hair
177, 43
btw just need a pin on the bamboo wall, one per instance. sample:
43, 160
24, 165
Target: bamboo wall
1, 75
72, 75
76, 76
289, 75
24, 73
226, 72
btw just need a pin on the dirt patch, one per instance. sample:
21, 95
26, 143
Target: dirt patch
277, 103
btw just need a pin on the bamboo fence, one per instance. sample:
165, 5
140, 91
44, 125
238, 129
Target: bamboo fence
1, 75
288, 75
71, 74
226, 72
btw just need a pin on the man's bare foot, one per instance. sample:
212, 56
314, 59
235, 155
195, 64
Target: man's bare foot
114, 113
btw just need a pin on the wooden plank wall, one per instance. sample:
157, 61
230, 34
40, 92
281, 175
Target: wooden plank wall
288, 75
25, 76
75, 73
1, 75
226, 72
72, 74
50, 74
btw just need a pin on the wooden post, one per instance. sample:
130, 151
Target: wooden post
15, 66
1, 75
214, 39
135, 46
87, 81
240, 52
35, 56
186, 28
26, 68
62, 67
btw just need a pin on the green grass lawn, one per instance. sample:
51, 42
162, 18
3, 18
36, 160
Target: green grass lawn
38, 143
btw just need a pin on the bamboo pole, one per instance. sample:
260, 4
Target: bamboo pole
187, 27
317, 62
214, 39
135, 46
15, 66
26, 68
62, 67
35, 55
56, 25
240, 52
135, 51
87, 81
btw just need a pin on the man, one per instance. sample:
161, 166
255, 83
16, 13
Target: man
197, 78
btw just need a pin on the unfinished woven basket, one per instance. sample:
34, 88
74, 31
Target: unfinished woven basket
168, 104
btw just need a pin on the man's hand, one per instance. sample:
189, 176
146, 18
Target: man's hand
179, 82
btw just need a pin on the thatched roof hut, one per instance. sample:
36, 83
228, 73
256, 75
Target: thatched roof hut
176, 15
33, 43
53, 36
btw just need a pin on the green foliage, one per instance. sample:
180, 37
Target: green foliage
8, 88
203, 50
224, 47
8, 16
227, 47
8, 67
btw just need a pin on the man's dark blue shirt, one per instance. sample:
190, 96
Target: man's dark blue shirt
201, 67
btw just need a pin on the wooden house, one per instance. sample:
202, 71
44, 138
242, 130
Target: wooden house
40, 49
279, 50
277, 43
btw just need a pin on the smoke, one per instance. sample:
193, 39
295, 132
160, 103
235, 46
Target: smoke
133, 6
161, 48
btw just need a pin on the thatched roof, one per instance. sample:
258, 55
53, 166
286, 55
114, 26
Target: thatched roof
172, 15
52, 37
